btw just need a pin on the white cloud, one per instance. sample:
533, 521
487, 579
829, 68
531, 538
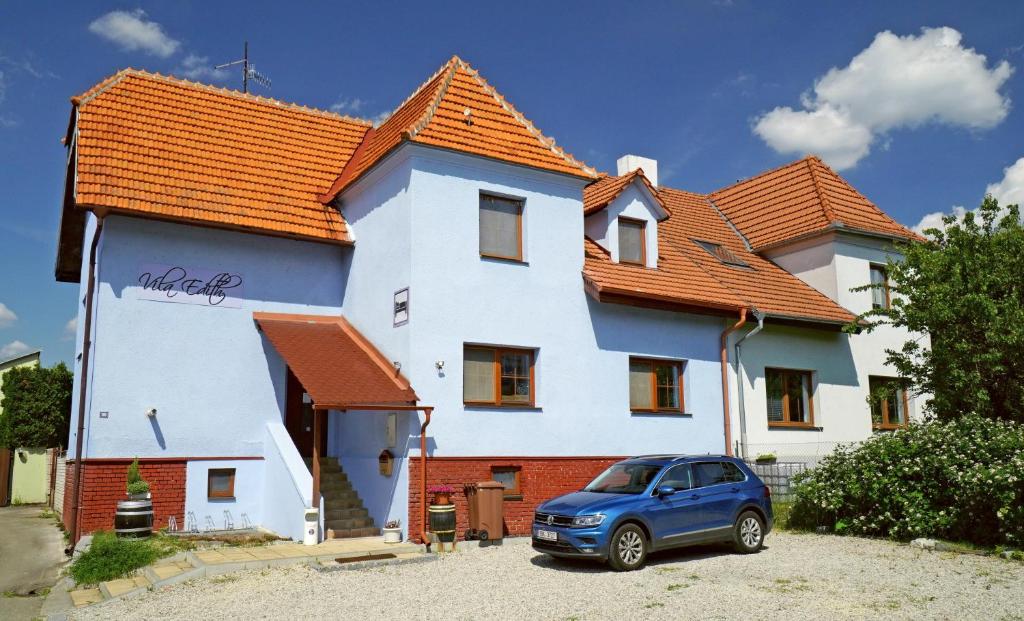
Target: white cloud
70, 329
132, 31
13, 350
7, 316
1008, 191
896, 82
196, 67
348, 106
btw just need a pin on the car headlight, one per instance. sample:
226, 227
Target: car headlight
587, 520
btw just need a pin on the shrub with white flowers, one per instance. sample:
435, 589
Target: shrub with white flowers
961, 480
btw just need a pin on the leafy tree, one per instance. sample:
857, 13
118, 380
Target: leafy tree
36, 406
964, 287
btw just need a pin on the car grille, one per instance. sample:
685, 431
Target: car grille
556, 520
557, 546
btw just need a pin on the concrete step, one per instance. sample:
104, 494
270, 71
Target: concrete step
348, 523
340, 494
347, 502
343, 514
353, 532
337, 487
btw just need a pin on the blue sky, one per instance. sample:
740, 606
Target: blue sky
922, 121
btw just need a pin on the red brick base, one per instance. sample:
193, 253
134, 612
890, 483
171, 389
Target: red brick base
540, 479
103, 484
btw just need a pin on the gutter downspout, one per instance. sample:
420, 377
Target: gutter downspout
739, 381
725, 378
83, 384
423, 478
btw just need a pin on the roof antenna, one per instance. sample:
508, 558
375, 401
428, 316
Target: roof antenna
248, 71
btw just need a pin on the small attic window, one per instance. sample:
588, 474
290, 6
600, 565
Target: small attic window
723, 254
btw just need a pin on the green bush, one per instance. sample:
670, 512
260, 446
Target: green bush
961, 480
111, 557
137, 487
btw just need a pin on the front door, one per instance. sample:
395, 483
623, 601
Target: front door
299, 418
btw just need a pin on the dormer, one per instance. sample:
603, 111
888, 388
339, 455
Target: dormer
622, 213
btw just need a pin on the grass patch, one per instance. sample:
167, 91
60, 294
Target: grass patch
676, 587
654, 605
224, 578
110, 557
782, 510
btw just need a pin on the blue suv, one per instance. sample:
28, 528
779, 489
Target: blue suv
656, 502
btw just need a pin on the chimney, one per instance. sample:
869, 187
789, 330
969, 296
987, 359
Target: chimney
628, 163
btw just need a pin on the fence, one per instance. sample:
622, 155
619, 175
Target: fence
59, 477
790, 458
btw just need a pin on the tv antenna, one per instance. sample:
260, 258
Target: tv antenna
248, 71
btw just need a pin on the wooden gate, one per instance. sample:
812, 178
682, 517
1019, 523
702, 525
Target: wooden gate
5, 477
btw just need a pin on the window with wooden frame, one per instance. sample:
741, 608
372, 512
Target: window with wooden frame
655, 385
509, 477
889, 404
497, 376
790, 398
880, 287
501, 228
220, 483
632, 241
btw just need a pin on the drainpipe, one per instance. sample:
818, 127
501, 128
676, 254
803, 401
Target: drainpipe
83, 383
739, 381
725, 378
423, 478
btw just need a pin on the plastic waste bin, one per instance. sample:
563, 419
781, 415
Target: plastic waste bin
311, 535
486, 510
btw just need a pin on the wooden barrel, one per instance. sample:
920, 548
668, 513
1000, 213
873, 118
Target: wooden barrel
442, 522
134, 518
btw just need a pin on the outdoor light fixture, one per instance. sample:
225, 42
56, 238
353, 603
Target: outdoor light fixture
151, 412
439, 365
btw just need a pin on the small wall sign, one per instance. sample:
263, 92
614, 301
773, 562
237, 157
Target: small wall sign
189, 285
401, 316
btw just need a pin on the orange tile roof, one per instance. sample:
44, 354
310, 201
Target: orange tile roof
166, 148
801, 198
602, 192
334, 362
690, 276
435, 115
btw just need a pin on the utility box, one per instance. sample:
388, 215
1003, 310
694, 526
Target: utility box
310, 536
486, 510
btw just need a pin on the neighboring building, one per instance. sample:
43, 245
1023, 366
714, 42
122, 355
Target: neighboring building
22, 471
271, 282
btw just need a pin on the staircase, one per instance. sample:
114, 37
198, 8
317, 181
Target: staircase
344, 513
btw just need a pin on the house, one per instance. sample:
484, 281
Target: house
283, 307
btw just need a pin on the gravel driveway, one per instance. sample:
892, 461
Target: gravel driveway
794, 577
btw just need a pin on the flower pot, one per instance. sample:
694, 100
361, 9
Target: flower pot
134, 518
442, 522
442, 498
392, 535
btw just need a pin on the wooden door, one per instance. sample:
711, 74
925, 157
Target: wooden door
5, 477
299, 418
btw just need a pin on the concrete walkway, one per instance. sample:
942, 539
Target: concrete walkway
31, 554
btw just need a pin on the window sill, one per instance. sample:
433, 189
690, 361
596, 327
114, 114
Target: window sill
794, 428
668, 413
496, 259
888, 428
513, 497
491, 406
220, 498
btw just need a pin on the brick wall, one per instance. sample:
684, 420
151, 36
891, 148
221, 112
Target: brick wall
540, 479
103, 484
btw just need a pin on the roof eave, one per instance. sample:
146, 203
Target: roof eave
832, 227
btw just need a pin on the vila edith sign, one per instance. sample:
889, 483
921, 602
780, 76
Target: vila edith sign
188, 285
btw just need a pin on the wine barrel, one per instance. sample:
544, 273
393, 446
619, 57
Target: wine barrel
134, 518
442, 522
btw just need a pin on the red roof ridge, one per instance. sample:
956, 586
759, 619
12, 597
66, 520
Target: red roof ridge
546, 141
450, 67
826, 206
765, 172
110, 81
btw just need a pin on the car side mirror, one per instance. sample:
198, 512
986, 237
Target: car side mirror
666, 490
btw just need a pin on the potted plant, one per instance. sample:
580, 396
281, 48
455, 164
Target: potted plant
134, 517
766, 458
393, 531
442, 494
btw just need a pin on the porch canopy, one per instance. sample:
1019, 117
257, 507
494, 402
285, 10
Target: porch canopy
336, 365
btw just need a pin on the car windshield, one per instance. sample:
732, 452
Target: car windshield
624, 479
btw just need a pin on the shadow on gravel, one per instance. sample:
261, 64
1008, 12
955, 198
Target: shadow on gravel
679, 555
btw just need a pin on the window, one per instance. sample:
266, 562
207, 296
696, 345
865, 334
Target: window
790, 401
220, 483
508, 476
723, 254
501, 228
888, 401
632, 241
497, 376
655, 385
717, 472
880, 292
678, 477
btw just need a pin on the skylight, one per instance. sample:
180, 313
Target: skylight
723, 254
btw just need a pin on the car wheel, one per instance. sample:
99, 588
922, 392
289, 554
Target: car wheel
628, 548
748, 534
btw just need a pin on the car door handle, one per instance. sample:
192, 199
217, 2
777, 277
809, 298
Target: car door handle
734, 489
694, 496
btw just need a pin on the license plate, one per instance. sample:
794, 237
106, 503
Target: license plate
547, 535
